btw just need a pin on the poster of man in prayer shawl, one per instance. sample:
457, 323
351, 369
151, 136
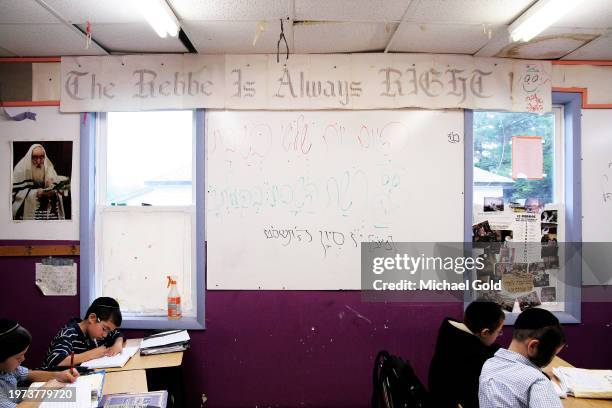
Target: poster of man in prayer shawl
41, 180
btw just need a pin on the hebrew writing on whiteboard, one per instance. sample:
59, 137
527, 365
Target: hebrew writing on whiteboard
41, 180
57, 278
296, 193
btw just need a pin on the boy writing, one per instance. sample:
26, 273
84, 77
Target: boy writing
93, 337
14, 343
513, 378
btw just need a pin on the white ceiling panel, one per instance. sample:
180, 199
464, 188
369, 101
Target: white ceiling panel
598, 49
40, 40
469, 11
230, 10
97, 11
331, 37
350, 10
24, 11
589, 14
500, 38
226, 37
439, 38
134, 37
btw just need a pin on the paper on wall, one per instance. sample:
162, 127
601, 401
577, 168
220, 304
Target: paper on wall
57, 280
526, 237
527, 157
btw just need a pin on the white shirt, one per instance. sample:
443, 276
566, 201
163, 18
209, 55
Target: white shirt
511, 380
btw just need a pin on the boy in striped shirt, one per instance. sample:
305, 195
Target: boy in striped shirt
93, 337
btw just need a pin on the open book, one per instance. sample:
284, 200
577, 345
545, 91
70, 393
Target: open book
115, 361
584, 383
87, 390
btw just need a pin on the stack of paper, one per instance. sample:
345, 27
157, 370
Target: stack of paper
118, 360
165, 342
87, 388
583, 383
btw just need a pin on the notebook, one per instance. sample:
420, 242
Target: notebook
165, 342
165, 339
155, 399
582, 383
112, 361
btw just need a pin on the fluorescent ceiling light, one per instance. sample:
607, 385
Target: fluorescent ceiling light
159, 16
539, 17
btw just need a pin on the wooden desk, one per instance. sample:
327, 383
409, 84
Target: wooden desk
138, 362
125, 381
571, 402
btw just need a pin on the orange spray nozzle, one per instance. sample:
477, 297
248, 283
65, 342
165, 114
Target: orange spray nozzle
170, 281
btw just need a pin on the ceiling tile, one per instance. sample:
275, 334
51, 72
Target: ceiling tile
589, 14
40, 40
439, 38
469, 11
105, 11
226, 37
598, 49
230, 10
134, 37
350, 10
331, 37
553, 43
24, 11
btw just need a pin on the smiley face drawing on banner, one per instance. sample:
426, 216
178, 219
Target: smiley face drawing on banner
533, 78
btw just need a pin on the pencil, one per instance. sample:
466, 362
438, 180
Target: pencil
71, 362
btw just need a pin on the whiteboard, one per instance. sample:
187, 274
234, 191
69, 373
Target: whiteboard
597, 194
290, 195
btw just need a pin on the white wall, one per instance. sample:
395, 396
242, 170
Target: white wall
50, 124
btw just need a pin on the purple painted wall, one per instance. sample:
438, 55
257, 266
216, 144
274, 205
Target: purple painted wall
290, 348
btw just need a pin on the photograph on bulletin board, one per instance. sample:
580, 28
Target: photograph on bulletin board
522, 253
41, 175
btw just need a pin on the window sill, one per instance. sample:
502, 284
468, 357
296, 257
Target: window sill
159, 323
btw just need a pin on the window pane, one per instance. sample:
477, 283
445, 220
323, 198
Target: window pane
493, 132
140, 247
149, 158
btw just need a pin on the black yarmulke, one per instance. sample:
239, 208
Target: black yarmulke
7, 325
533, 319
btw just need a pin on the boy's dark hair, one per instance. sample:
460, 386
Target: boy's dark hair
480, 315
542, 325
106, 308
13, 338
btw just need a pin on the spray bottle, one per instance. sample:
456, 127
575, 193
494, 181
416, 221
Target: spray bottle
174, 300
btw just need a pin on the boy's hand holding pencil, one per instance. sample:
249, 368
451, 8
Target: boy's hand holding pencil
70, 375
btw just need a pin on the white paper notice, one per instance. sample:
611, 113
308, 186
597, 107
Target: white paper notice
57, 280
527, 157
526, 237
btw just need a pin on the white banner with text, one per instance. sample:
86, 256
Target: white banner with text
303, 82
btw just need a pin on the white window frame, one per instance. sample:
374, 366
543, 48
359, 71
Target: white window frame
94, 166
